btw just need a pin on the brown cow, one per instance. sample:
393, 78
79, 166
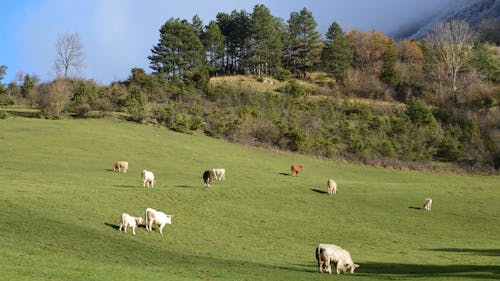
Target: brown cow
207, 178
296, 169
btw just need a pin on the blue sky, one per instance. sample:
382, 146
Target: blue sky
118, 34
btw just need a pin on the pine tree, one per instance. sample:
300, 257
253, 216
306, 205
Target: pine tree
264, 55
337, 54
178, 52
213, 41
303, 49
388, 73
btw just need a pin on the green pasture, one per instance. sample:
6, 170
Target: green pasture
60, 206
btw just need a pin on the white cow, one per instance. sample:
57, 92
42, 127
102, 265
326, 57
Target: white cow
332, 186
121, 166
158, 218
128, 220
326, 254
148, 178
427, 204
220, 173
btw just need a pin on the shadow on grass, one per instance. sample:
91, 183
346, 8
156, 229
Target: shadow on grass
415, 208
127, 186
285, 174
24, 113
421, 270
114, 226
484, 252
319, 191
184, 186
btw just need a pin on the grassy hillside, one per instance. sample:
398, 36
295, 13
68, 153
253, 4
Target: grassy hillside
60, 206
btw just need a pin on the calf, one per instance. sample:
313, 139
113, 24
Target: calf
296, 169
121, 166
326, 254
220, 174
127, 220
332, 187
159, 218
207, 178
427, 204
148, 178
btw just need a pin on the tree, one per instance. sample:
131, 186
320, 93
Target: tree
178, 52
213, 41
388, 73
28, 88
264, 55
69, 54
3, 70
451, 49
486, 62
236, 30
303, 49
337, 54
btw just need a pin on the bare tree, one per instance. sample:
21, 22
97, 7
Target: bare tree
452, 44
69, 54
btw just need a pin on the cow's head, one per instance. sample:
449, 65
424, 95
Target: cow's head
351, 267
169, 219
138, 220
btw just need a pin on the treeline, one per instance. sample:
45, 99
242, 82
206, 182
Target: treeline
429, 100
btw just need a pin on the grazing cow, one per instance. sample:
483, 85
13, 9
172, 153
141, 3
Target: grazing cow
127, 220
332, 186
296, 169
148, 178
220, 174
207, 178
159, 218
121, 166
326, 254
427, 204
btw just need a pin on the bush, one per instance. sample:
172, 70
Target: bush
3, 114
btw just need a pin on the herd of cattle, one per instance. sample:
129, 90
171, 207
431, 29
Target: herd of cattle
326, 254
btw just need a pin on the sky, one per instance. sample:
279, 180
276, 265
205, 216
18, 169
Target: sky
118, 35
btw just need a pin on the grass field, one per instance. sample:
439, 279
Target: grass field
60, 205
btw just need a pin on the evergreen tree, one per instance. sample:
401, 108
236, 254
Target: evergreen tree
197, 24
388, 73
236, 30
264, 55
337, 54
303, 50
178, 52
213, 41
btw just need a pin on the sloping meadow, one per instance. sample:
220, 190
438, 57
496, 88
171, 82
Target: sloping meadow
61, 204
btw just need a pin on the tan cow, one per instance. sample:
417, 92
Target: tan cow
121, 166
328, 254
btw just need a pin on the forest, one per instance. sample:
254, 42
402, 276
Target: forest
253, 78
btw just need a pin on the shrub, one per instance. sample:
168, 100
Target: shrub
3, 114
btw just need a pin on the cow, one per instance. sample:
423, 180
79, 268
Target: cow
296, 169
128, 220
332, 186
207, 178
427, 204
148, 178
121, 166
220, 174
153, 216
326, 254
